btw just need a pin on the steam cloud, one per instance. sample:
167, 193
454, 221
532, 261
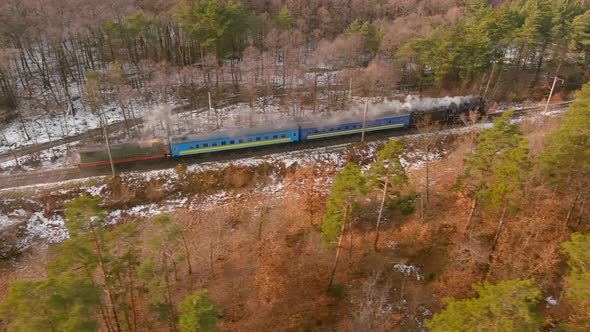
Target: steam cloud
391, 108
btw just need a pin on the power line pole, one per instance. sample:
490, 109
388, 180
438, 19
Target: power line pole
555, 79
365, 119
106, 137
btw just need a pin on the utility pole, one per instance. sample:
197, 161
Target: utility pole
489, 80
67, 133
106, 138
365, 119
555, 79
350, 88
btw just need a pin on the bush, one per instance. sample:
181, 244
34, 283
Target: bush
407, 204
336, 291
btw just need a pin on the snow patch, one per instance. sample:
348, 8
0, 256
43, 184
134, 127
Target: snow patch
51, 229
550, 301
408, 270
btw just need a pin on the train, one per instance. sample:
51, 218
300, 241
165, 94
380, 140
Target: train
180, 146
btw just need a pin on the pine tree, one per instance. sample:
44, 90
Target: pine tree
197, 313
581, 37
284, 20
107, 259
347, 186
577, 289
63, 303
496, 170
507, 306
498, 165
160, 265
388, 175
565, 161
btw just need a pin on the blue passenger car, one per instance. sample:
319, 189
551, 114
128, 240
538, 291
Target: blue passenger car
231, 140
381, 123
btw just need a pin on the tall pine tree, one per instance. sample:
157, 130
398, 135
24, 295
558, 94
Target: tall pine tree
507, 306
347, 186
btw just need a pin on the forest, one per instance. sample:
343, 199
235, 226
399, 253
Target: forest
479, 227
57, 52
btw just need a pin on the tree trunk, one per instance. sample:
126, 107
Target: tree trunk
107, 288
427, 166
499, 229
471, 213
350, 232
496, 237
188, 256
378, 225
338, 249
171, 323
569, 212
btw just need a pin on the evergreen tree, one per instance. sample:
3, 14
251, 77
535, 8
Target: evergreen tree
565, 161
581, 37
535, 33
284, 20
198, 313
63, 303
507, 306
347, 186
388, 175
497, 167
496, 170
90, 263
107, 259
160, 265
577, 290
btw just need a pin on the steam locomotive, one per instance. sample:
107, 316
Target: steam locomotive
290, 134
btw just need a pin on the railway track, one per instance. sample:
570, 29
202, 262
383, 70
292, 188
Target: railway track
64, 174
39, 177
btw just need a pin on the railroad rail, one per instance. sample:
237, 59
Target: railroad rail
71, 173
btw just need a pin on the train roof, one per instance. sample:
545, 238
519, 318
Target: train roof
143, 144
352, 117
230, 133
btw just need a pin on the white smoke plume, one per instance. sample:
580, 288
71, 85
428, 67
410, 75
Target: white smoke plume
156, 121
391, 107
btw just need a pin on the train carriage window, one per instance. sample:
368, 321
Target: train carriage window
283, 136
258, 138
353, 126
346, 127
388, 121
324, 130
316, 131
331, 129
339, 128
232, 142
191, 147
205, 145
223, 143
175, 148
275, 136
266, 138
294, 134
214, 144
